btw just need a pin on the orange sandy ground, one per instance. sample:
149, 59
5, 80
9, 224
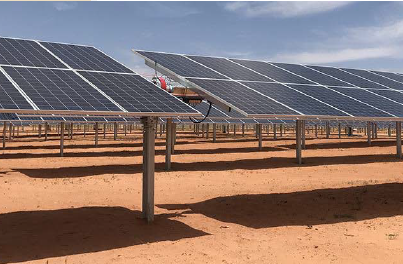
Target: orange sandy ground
223, 202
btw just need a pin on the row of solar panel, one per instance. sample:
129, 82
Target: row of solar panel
53, 89
31, 53
260, 71
63, 77
257, 93
6, 117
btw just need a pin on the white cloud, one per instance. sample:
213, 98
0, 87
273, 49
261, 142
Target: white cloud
377, 34
359, 43
170, 10
64, 6
337, 55
283, 9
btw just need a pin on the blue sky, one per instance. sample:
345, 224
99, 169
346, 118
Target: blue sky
349, 34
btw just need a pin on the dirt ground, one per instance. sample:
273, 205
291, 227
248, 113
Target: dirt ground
223, 202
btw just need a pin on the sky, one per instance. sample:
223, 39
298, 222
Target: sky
366, 35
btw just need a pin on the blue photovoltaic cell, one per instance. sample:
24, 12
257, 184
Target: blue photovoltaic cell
391, 94
136, 94
376, 78
347, 77
114, 119
243, 98
181, 65
51, 118
59, 90
373, 99
203, 108
393, 76
10, 97
26, 53
311, 74
85, 58
340, 101
8, 117
230, 69
273, 72
74, 119
294, 99
95, 119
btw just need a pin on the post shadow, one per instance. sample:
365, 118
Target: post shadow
33, 235
244, 164
304, 208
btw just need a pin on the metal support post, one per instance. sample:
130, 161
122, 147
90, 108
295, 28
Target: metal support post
61, 139
259, 128
148, 167
399, 139
96, 134
298, 147
168, 144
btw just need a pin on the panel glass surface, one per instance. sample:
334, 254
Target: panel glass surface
347, 77
115, 119
273, 72
340, 101
84, 58
203, 108
294, 99
243, 98
26, 53
393, 76
181, 65
95, 119
59, 90
10, 97
373, 99
311, 74
136, 94
8, 117
230, 69
376, 78
391, 94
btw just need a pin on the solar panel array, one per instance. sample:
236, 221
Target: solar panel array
217, 115
265, 89
32, 118
64, 78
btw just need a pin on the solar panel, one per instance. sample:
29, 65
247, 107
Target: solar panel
95, 119
181, 65
136, 94
203, 108
114, 119
8, 117
230, 69
340, 101
373, 99
85, 58
26, 53
10, 97
74, 119
311, 74
391, 94
243, 98
355, 80
376, 78
59, 90
300, 102
249, 91
393, 76
273, 72
49, 118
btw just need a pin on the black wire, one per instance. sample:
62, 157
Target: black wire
199, 121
